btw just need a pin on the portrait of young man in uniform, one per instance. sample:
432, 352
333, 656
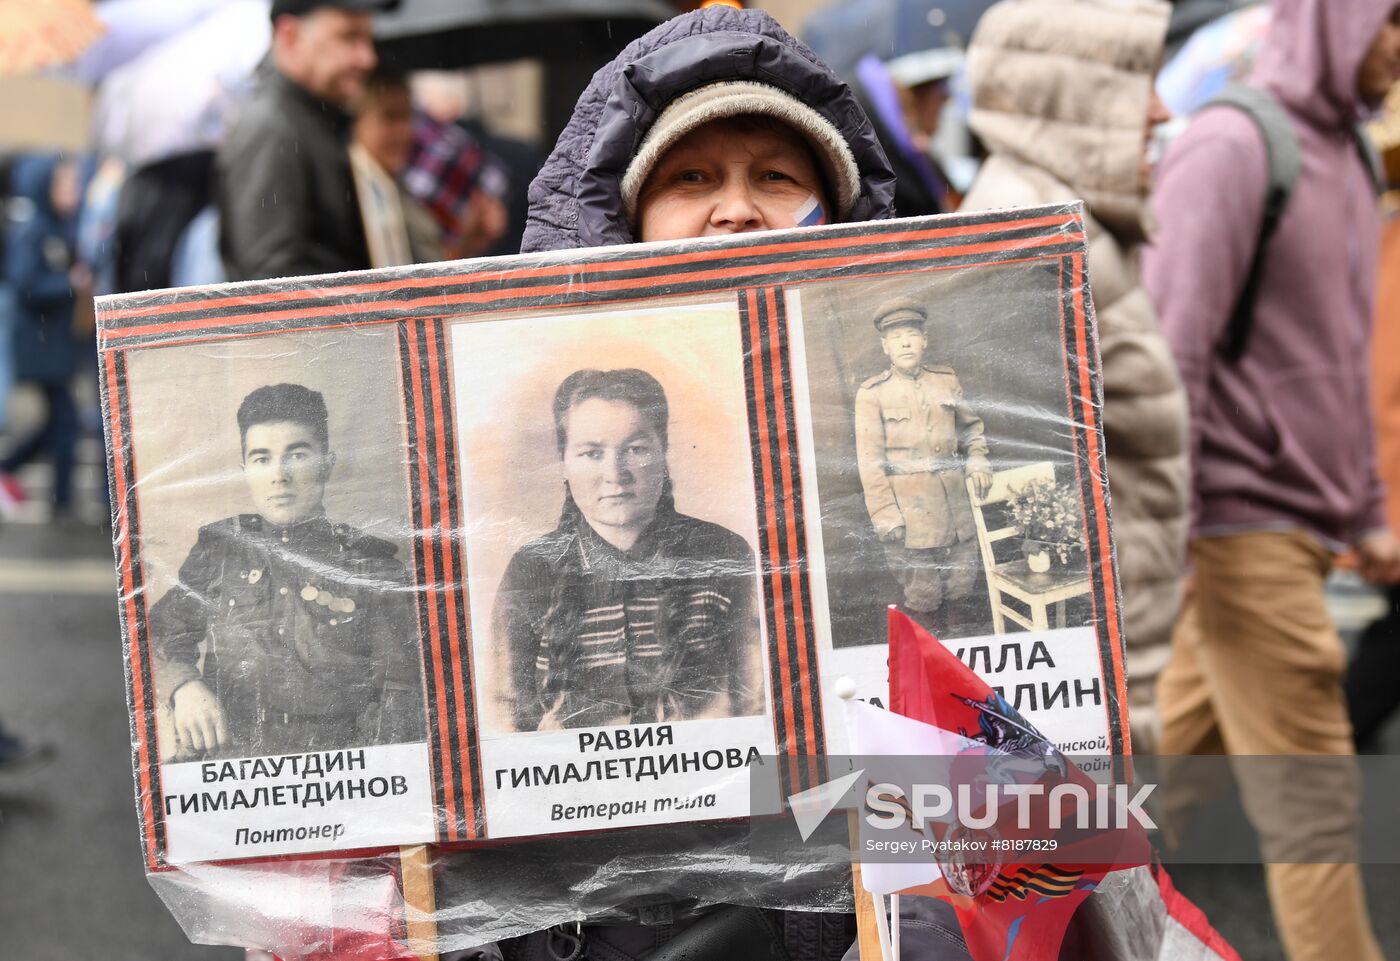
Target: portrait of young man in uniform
285, 631
917, 442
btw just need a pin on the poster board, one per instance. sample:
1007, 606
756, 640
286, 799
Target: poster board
413, 636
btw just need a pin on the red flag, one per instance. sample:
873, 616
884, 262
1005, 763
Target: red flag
929, 684
1022, 912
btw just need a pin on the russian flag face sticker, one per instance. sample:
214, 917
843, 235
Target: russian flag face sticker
810, 214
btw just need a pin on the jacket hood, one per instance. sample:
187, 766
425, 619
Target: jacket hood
1064, 86
576, 199
31, 177
1310, 57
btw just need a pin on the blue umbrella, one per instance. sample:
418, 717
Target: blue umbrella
847, 31
1218, 53
930, 37
919, 40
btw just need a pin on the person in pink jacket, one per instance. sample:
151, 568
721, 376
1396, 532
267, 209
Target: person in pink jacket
1284, 464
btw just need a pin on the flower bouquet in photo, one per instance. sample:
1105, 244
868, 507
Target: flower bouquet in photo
1048, 516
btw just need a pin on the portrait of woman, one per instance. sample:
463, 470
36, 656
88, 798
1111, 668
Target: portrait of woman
628, 611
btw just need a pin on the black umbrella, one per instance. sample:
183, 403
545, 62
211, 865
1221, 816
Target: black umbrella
448, 34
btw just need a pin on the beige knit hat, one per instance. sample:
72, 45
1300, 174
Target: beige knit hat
734, 98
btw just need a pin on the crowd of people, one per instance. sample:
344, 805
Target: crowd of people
1234, 312
419, 182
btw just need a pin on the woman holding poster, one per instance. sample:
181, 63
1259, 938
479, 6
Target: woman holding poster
628, 611
768, 137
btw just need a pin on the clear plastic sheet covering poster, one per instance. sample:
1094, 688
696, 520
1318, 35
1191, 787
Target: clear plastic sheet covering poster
458, 600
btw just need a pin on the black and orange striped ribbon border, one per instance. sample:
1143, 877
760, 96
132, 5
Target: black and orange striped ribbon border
783, 557
441, 576
126, 531
1085, 400
143, 320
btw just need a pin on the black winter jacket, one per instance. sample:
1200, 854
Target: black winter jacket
287, 202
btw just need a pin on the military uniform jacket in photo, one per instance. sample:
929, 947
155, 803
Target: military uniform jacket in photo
310, 632
916, 440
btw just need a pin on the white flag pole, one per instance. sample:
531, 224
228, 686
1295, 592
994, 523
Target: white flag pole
894, 926
883, 926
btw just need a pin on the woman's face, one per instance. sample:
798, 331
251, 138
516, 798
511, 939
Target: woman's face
729, 178
615, 464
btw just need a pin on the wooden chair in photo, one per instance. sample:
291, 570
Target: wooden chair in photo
1012, 577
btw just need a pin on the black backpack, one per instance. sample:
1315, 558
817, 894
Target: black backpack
1285, 164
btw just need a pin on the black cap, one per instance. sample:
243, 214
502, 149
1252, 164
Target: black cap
300, 8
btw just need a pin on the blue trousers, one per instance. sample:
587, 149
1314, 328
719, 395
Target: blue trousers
57, 436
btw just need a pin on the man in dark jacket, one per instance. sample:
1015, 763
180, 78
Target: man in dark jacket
286, 196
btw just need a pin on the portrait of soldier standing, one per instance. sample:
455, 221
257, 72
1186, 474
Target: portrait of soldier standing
917, 442
287, 632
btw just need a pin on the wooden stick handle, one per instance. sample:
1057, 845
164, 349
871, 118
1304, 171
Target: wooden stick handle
420, 900
867, 922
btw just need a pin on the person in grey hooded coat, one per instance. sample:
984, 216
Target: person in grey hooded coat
577, 198
718, 87
1033, 66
